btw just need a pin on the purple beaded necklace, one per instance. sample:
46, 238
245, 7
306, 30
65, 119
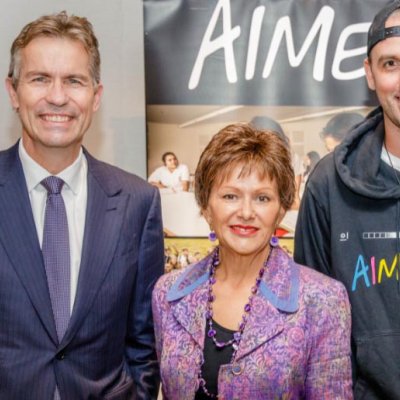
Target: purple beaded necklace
237, 336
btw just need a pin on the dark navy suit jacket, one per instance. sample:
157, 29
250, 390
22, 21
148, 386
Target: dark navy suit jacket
108, 350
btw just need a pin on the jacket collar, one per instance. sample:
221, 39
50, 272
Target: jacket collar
280, 284
277, 300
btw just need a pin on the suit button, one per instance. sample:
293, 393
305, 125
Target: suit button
60, 356
237, 369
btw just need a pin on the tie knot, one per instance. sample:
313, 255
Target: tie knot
53, 184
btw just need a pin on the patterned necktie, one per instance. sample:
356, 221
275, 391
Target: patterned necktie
56, 253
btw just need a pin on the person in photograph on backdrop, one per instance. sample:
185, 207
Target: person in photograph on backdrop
338, 127
184, 257
349, 223
264, 122
81, 240
171, 175
310, 161
246, 322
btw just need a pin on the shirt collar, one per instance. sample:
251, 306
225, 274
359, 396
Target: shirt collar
35, 173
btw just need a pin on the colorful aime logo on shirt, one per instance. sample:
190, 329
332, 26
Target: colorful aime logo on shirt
372, 273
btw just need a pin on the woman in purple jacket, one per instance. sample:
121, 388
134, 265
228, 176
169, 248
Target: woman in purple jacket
247, 322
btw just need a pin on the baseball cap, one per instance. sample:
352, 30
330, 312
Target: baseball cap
377, 31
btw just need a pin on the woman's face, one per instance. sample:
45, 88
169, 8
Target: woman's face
244, 211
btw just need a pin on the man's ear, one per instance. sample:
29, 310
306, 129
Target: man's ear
12, 93
368, 74
97, 96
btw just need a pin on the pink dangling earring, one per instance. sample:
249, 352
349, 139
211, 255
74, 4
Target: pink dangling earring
274, 241
212, 236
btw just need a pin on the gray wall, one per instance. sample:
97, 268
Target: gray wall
117, 134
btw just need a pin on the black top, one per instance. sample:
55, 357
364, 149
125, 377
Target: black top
214, 357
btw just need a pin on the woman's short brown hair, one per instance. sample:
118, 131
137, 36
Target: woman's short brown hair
242, 144
59, 25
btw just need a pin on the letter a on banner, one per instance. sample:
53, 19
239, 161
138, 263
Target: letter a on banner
225, 42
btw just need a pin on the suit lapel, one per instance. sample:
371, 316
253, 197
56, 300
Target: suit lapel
19, 239
264, 323
188, 299
274, 305
104, 218
190, 312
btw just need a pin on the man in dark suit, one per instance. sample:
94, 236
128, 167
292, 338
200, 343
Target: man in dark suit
81, 242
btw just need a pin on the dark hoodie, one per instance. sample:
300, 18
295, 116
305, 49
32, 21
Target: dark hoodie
348, 228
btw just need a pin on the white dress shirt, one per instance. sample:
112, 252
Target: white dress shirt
74, 193
170, 179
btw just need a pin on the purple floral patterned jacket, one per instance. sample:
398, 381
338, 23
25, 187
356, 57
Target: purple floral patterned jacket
296, 343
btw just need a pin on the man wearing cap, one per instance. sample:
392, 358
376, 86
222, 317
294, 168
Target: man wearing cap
349, 219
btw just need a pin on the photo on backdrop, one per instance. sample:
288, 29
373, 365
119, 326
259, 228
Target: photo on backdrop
292, 66
180, 252
180, 133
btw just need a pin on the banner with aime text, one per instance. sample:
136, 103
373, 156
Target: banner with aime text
278, 52
209, 63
